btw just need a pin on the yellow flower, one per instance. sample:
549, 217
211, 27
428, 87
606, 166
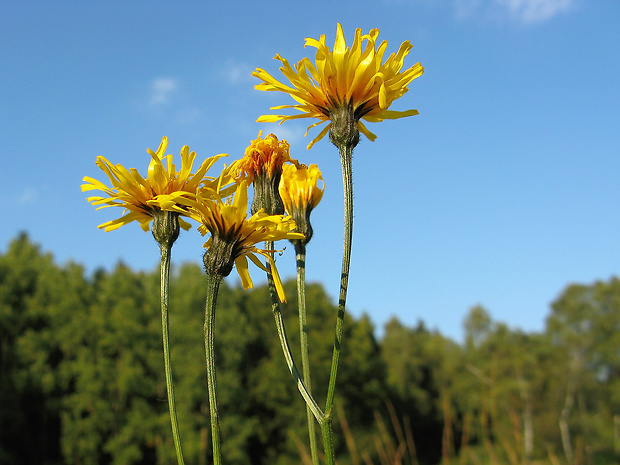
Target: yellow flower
299, 187
353, 79
301, 194
262, 166
139, 195
263, 155
234, 236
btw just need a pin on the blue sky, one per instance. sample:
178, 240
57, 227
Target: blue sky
501, 192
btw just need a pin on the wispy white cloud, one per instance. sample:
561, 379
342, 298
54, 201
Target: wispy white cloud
162, 90
525, 11
466, 8
166, 97
234, 72
535, 10
29, 196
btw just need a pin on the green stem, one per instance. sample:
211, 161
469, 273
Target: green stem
346, 155
286, 347
300, 249
328, 440
213, 285
165, 249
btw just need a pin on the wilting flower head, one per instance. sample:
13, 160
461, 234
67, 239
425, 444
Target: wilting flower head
301, 194
139, 195
344, 85
262, 165
234, 236
263, 155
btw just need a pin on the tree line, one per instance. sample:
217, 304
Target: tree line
82, 382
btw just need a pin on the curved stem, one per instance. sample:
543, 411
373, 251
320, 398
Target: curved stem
165, 249
300, 250
213, 285
346, 155
286, 348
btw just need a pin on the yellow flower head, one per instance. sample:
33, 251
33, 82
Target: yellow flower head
301, 194
299, 187
353, 78
139, 195
262, 166
234, 236
263, 155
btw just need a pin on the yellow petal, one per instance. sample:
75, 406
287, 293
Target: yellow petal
320, 136
364, 130
242, 268
272, 269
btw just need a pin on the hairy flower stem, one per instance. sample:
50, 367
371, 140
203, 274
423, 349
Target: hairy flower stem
346, 155
300, 252
286, 347
165, 248
213, 286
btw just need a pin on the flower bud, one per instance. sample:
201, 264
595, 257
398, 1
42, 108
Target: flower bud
219, 258
344, 129
301, 194
165, 227
262, 165
266, 195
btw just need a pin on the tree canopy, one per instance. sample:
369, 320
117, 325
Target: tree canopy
82, 382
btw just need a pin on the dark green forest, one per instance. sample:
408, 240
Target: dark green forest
82, 379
